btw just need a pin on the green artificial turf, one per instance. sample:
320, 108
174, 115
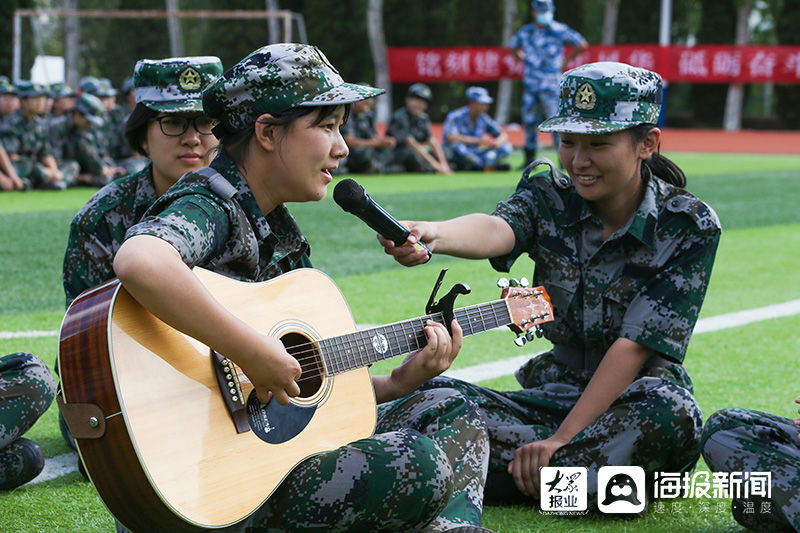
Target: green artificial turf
756, 198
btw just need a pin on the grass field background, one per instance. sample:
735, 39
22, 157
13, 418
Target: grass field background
756, 198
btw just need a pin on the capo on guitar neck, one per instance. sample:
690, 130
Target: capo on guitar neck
445, 305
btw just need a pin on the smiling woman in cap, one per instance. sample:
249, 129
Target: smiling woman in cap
626, 254
279, 111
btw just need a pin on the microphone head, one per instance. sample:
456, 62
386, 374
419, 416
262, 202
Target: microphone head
350, 195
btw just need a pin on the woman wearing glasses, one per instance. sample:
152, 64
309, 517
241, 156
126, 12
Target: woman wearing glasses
167, 126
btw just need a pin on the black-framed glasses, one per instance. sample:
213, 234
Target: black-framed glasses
174, 126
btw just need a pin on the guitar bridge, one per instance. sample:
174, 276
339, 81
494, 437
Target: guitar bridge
231, 390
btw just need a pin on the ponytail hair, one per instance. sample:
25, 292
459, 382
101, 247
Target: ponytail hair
657, 164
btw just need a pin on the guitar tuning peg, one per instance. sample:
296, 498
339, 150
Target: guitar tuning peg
538, 331
524, 282
514, 282
529, 335
502, 283
520, 341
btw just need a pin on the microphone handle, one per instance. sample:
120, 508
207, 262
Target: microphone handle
388, 226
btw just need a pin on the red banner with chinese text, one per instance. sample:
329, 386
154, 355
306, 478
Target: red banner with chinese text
692, 64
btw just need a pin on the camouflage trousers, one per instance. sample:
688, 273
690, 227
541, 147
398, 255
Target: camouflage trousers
367, 160
537, 106
655, 423
741, 440
406, 157
27, 389
423, 470
32, 173
471, 157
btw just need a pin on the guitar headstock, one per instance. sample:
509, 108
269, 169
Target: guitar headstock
528, 307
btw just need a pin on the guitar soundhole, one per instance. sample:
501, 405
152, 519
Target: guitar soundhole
306, 353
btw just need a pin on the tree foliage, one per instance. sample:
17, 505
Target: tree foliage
110, 47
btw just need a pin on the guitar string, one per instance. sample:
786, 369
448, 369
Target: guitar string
312, 362
309, 352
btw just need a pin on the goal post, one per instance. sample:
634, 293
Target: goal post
289, 22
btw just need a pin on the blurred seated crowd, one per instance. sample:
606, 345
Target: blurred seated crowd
54, 136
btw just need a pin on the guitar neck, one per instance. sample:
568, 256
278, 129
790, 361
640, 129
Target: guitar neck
362, 348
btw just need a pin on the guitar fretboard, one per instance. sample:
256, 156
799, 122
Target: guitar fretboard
362, 348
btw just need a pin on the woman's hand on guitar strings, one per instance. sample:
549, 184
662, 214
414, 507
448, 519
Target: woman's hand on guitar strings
272, 371
436, 357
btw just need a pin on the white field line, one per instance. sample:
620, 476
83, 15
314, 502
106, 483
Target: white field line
55, 467
64, 464
505, 367
27, 334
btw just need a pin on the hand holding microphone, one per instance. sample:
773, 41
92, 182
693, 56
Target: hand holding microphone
352, 197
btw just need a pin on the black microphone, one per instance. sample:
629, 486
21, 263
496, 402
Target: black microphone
354, 199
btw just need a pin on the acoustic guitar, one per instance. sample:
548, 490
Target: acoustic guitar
171, 433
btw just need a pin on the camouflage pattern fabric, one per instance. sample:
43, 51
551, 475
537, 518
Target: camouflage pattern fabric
275, 78
98, 230
655, 423
363, 158
227, 235
470, 156
403, 125
396, 480
27, 389
176, 84
26, 136
646, 282
29, 139
742, 440
543, 50
605, 97
424, 470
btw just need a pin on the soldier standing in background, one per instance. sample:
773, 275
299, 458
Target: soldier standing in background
540, 46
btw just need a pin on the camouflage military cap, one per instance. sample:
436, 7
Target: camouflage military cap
105, 88
175, 85
91, 108
420, 90
605, 97
275, 78
89, 84
61, 90
6, 87
127, 85
27, 88
479, 94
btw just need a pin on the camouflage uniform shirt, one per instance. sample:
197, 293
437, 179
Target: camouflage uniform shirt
543, 49
404, 125
360, 126
219, 226
26, 137
98, 230
646, 282
458, 122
